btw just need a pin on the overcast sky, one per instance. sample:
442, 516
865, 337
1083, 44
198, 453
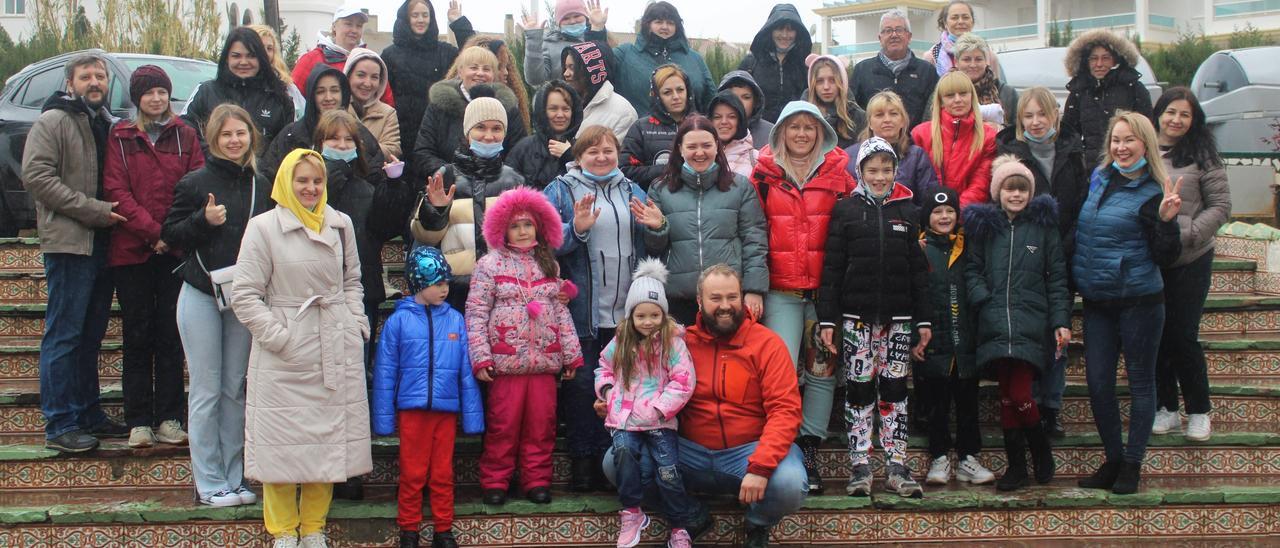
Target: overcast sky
733, 20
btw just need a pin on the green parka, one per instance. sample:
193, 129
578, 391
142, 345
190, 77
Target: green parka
954, 321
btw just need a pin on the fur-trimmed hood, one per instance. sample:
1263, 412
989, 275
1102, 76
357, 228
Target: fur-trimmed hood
447, 95
1078, 52
517, 200
982, 220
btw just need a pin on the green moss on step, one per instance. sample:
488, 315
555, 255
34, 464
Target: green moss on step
1251, 495
940, 500
1203, 495
14, 516
1144, 497
836, 502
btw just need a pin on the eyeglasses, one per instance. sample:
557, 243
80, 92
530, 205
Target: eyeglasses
894, 30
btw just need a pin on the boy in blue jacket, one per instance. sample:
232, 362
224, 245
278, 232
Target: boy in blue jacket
423, 379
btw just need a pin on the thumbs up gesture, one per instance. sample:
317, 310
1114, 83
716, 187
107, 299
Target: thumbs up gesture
214, 214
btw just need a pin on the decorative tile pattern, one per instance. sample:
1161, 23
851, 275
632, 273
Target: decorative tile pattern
1254, 250
26, 365
1232, 282
15, 256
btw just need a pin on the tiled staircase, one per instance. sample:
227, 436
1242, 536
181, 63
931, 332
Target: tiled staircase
1226, 491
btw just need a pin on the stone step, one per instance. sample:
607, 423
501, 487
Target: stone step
1176, 510
115, 465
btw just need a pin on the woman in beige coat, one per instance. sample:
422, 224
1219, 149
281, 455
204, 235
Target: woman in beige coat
297, 289
368, 76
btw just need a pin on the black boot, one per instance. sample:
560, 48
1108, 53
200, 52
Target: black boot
1128, 479
1052, 423
444, 540
757, 536
809, 447
408, 539
1015, 473
1041, 453
539, 495
352, 489
495, 497
581, 471
1104, 478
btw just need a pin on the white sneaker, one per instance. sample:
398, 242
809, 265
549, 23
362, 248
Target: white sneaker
314, 540
1198, 427
246, 496
221, 499
171, 432
972, 471
288, 541
939, 471
141, 436
1166, 421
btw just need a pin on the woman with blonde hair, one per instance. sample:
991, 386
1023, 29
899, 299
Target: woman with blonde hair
1128, 231
272, 44
960, 145
887, 119
829, 90
507, 72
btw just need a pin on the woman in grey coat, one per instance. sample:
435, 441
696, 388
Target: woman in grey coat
700, 214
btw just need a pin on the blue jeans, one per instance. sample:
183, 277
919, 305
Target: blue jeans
1052, 382
721, 472
786, 315
74, 324
587, 436
1136, 331
661, 446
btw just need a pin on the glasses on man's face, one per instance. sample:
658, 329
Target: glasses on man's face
893, 30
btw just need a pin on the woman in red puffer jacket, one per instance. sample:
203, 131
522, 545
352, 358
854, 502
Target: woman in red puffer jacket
960, 145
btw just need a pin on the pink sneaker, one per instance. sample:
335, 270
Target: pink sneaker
679, 539
634, 521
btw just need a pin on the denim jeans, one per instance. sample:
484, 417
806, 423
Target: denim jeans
587, 436
1048, 387
217, 348
1135, 330
1181, 362
720, 472
786, 315
148, 295
74, 323
661, 446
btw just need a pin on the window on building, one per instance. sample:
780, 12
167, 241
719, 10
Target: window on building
15, 7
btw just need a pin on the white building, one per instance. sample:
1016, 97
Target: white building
850, 28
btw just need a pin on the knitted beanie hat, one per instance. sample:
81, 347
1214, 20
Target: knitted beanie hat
426, 266
934, 197
1005, 166
482, 108
146, 77
565, 8
648, 285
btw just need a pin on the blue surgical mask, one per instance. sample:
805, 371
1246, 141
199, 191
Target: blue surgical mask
576, 29
331, 153
1141, 163
486, 150
601, 178
1047, 136
689, 169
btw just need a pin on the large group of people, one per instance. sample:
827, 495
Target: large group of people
680, 272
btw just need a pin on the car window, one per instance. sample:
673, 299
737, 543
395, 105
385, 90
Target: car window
119, 99
185, 74
39, 87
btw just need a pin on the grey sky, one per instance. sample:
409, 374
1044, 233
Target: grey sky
733, 21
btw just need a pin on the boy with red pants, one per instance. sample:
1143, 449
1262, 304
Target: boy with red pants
423, 379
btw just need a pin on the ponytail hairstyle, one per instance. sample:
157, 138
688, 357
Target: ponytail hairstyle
954, 82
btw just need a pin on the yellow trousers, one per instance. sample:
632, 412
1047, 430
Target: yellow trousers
287, 514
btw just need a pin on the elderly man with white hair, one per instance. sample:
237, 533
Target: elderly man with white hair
895, 68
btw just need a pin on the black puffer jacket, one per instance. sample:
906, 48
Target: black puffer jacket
1092, 102
647, 146
415, 63
1017, 280
954, 321
440, 133
378, 208
530, 156
1068, 184
914, 84
300, 134
263, 96
781, 82
240, 190
874, 267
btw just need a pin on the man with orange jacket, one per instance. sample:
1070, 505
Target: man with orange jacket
737, 430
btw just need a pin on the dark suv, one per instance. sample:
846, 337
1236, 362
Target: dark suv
25, 92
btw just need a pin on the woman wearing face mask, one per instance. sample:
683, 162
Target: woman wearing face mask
297, 290
829, 90
506, 74
997, 100
244, 79
367, 75
602, 104
568, 25
603, 240
542, 156
417, 59
327, 89
1190, 154
729, 118
441, 128
776, 62
1057, 163
700, 214
345, 35
661, 42
272, 43
800, 177
1104, 81
954, 20
960, 145
647, 148
887, 119
451, 213
1128, 231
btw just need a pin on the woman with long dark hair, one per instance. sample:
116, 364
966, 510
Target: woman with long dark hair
246, 79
